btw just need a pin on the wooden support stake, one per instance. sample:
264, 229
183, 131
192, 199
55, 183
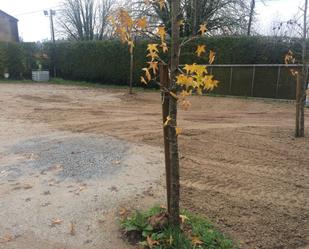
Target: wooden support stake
164, 81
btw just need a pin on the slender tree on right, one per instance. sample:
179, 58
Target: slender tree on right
301, 75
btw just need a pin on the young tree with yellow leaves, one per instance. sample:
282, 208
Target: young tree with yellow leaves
192, 78
301, 75
126, 28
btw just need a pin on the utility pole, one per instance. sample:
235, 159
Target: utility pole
52, 13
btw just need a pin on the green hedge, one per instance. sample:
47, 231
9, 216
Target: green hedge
107, 62
17, 59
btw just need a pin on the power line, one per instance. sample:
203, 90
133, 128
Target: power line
38, 11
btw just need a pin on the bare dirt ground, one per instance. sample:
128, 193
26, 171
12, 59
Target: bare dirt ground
240, 165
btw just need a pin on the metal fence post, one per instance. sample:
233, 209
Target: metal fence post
252, 82
231, 80
278, 81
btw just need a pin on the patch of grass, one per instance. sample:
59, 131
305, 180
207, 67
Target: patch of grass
9, 81
60, 81
196, 232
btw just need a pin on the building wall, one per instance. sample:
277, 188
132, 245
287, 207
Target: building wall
8, 29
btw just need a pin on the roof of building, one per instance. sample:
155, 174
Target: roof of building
6, 14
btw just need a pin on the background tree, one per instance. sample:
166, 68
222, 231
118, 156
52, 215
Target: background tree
84, 20
252, 14
300, 26
221, 16
127, 28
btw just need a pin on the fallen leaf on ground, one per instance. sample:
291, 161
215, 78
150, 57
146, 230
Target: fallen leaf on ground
6, 238
72, 228
151, 243
56, 221
196, 241
183, 218
122, 211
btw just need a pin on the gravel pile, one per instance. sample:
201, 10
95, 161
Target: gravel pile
80, 157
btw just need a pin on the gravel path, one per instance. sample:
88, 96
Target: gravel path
64, 190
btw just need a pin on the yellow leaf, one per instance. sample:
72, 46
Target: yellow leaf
178, 132
184, 94
72, 228
122, 211
167, 121
142, 23
147, 73
209, 82
161, 32
196, 241
161, 3
200, 49
164, 47
183, 218
189, 68
56, 221
181, 79
173, 95
186, 104
203, 29
6, 238
153, 55
143, 80
152, 47
212, 56
151, 243
154, 66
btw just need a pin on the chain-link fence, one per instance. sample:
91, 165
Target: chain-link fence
256, 80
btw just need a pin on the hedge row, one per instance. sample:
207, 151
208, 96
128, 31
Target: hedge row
17, 59
107, 62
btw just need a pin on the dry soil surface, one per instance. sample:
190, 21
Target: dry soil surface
240, 166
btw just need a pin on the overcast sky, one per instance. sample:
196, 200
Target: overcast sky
34, 26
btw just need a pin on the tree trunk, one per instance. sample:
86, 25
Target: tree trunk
304, 74
174, 157
252, 7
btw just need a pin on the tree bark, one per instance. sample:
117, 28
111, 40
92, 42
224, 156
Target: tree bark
174, 157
